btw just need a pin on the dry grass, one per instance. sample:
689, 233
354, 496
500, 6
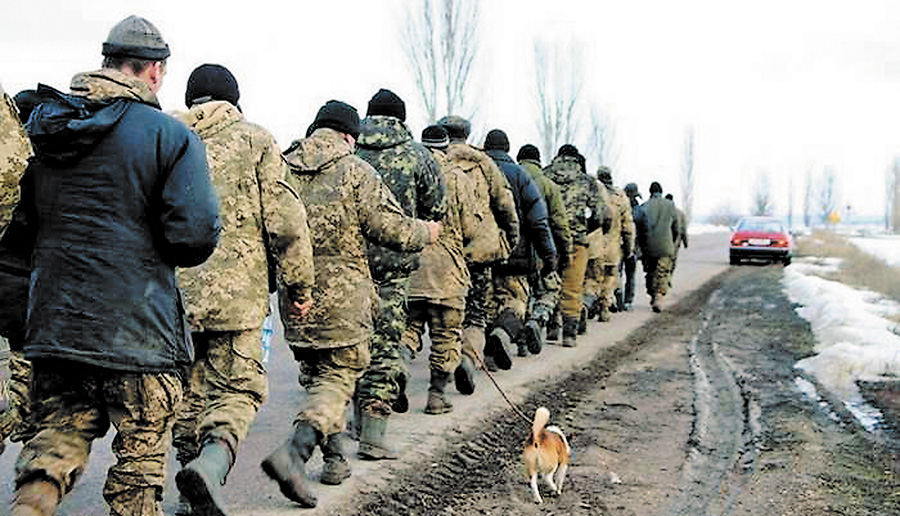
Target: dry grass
858, 269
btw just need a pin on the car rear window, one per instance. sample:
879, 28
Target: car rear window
770, 226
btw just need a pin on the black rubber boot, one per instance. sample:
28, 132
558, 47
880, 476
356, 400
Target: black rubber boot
287, 465
499, 346
336, 469
437, 401
570, 332
201, 480
581, 327
464, 376
374, 420
534, 341
553, 327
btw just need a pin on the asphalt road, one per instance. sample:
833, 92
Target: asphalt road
414, 434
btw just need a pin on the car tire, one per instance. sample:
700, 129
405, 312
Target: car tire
786, 261
734, 260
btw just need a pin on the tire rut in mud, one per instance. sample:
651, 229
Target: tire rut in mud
480, 472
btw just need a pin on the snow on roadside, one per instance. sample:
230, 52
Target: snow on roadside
885, 247
700, 229
854, 340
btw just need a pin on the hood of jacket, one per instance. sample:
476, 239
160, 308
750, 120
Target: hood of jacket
382, 132
209, 118
465, 156
311, 155
108, 84
563, 169
499, 155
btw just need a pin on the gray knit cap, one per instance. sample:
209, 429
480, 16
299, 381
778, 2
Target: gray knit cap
138, 38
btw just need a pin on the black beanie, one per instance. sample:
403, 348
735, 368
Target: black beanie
568, 150
387, 103
435, 136
496, 140
604, 175
528, 151
655, 188
339, 116
211, 82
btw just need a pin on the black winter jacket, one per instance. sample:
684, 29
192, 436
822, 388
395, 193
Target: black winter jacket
121, 196
534, 226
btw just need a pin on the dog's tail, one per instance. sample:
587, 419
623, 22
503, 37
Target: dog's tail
541, 418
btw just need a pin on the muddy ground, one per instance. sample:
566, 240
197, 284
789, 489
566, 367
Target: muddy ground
696, 413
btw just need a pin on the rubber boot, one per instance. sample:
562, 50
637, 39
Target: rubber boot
335, 469
39, 497
464, 376
654, 303
570, 332
287, 465
534, 341
553, 328
500, 347
373, 421
437, 401
202, 479
400, 404
581, 327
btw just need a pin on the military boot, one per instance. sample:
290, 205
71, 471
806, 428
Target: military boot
201, 480
499, 346
581, 326
534, 341
373, 421
39, 497
336, 469
654, 303
570, 332
605, 313
400, 404
464, 376
553, 327
287, 465
437, 401
592, 306
184, 506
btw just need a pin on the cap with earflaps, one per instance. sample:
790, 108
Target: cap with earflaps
138, 38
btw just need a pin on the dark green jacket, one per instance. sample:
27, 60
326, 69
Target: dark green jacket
657, 227
556, 208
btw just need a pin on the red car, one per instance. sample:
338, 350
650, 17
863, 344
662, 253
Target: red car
760, 238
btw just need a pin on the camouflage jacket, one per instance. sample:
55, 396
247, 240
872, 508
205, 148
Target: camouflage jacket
442, 277
581, 196
409, 171
15, 149
262, 219
495, 205
618, 242
556, 208
346, 204
657, 227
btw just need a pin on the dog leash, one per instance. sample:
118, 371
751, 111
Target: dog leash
516, 409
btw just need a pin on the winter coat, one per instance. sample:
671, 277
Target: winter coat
121, 197
410, 173
657, 227
263, 222
581, 196
443, 277
556, 208
497, 230
535, 239
618, 242
15, 149
682, 230
346, 205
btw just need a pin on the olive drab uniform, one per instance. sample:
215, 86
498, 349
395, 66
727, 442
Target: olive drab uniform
657, 231
347, 205
602, 278
411, 174
226, 298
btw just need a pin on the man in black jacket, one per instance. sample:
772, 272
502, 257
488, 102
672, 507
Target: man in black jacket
511, 277
120, 197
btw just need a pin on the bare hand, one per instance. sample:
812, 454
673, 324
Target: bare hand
299, 310
434, 230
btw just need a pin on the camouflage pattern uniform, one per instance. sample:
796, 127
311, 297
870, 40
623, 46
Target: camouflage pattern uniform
226, 298
15, 149
607, 250
411, 174
347, 205
657, 231
438, 289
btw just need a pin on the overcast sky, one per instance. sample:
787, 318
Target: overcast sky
778, 87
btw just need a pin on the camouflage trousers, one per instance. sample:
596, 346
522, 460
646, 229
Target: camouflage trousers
509, 303
570, 298
15, 421
657, 274
73, 404
381, 381
600, 282
478, 298
444, 329
544, 295
226, 386
329, 376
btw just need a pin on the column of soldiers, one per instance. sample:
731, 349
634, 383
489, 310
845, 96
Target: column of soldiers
151, 244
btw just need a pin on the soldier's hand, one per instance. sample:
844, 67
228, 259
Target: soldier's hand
434, 230
299, 310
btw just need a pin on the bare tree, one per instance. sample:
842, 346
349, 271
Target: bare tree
808, 199
892, 218
762, 195
827, 194
602, 140
724, 215
790, 203
440, 42
559, 84
687, 174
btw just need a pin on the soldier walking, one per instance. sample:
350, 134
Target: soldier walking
121, 197
413, 177
657, 231
629, 264
682, 233
347, 205
264, 231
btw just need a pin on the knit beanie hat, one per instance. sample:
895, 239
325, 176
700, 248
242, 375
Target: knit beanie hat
337, 115
568, 150
387, 103
655, 188
631, 190
435, 137
604, 175
496, 140
528, 151
136, 37
457, 127
211, 82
